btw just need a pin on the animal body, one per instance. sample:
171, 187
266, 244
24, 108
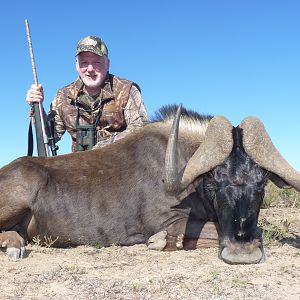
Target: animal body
173, 184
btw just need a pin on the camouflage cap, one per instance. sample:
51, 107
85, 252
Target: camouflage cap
92, 44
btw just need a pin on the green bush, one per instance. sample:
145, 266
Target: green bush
274, 231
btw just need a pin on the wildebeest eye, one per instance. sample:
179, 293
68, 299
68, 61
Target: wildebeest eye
261, 186
210, 189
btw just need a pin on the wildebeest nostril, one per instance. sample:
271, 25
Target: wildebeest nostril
242, 221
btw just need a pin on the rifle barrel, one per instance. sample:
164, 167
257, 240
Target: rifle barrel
31, 53
43, 150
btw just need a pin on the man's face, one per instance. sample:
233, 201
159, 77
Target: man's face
92, 69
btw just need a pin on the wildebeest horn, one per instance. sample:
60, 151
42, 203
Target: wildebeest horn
260, 148
213, 151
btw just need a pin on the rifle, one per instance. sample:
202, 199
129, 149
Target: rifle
43, 142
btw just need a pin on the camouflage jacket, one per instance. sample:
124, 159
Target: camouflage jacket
119, 106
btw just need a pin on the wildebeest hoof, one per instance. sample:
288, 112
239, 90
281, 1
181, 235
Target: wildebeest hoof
14, 244
158, 241
15, 253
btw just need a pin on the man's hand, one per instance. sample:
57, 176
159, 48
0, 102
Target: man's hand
35, 94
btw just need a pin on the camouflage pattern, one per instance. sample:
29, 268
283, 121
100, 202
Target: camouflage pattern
92, 44
121, 109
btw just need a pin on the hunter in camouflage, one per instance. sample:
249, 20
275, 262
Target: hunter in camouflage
119, 103
114, 106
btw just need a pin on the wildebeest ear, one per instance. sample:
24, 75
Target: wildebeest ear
279, 182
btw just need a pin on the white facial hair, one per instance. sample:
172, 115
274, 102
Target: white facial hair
93, 83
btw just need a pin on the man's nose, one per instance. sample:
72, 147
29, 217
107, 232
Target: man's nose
90, 68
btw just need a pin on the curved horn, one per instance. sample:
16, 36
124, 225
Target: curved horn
171, 171
213, 151
260, 148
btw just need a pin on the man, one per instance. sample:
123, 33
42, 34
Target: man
98, 107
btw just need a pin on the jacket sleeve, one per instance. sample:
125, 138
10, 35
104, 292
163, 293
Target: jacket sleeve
135, 112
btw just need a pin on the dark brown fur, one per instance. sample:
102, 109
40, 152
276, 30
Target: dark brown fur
111, 195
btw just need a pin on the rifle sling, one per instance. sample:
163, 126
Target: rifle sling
30, 140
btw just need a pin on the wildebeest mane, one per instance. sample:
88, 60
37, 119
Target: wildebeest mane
167, 112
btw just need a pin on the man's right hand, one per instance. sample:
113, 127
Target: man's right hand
35, 94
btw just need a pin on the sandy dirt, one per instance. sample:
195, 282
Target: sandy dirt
138, 273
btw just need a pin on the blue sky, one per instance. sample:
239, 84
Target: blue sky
222, 57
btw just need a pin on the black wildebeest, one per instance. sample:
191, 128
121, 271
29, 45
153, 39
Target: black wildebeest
201, 187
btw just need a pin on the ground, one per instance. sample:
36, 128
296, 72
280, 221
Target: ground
135, 272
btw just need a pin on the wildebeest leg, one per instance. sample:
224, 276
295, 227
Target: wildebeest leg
12, 216
18, 188
185, 235
208, 237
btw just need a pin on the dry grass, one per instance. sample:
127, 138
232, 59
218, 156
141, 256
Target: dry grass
275, 229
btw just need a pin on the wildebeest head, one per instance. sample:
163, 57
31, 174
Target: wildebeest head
236, 190
235, 164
